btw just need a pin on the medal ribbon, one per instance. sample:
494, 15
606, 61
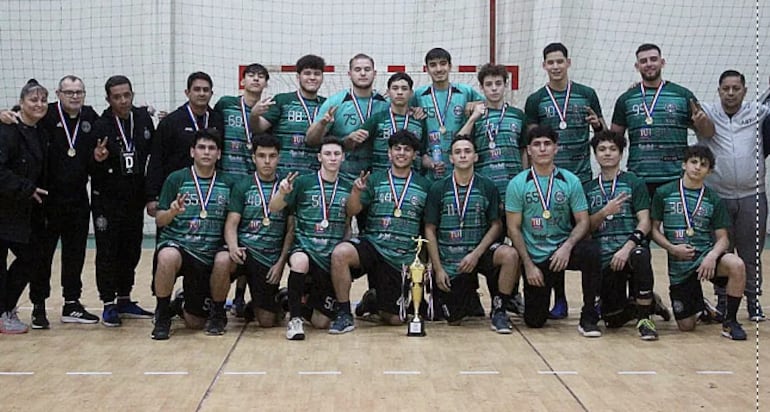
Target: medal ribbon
71, 137
195, 121
612, 188
260, 190
394, 125
545, 202
324, 207
461, 211
561, 112
204, 203
492, 135
358, 107
128, 139
687, 215
245, 121
398, 200
651, 108
310, 119
439, 116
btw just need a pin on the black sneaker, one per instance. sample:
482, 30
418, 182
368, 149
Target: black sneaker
589, 329
215, 324
176, 306
162, 329
248, 314
39, 317
239, 307
74, 312
368, 304
660, 308
516, 305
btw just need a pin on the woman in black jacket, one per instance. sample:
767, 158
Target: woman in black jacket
23, 149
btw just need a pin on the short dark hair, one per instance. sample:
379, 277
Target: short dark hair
265, 140
257, 69
404, 137
32, 86
310, 61
211, 133
199, 76
608, 136
701, 152
555, 47
490, 69
646, 47
461, 137
329, 139
542, 131
117, 80
438, 53
400, 76
360, 56
732, 73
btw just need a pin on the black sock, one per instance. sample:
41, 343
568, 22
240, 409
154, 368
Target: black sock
558, 287
505, 300
344, 307
296, 290
732, 307
644, 311
217, 306
161, 307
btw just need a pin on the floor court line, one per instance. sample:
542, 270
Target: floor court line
714, 372
16, 373
479, 372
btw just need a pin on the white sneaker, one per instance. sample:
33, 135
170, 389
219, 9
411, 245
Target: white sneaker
11, 324
294, 330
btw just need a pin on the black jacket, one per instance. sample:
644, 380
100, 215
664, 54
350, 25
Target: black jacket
106, 177
22, 169
171, 148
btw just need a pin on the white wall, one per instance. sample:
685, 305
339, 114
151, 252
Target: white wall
158, 42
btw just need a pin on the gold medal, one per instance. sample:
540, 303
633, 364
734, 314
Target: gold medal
546, 214
690, 232
203, 214
71, 152
648, 121
266, 221
442, 129
397, 212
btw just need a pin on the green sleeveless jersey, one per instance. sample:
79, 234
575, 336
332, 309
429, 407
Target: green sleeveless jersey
348, 119
200, 237
391, 235
499, 137
543, 236
667, 207
236, 156
290, 121
263, 243
380, 127
613, 234
655, 151
455, 240
574, 148
305, 203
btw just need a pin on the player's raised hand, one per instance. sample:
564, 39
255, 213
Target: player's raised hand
592, 118
479, 110
261, 107
329, 116
287, 184
615, 205
697, 111
101, 153
178, 206
360, 182
418, 113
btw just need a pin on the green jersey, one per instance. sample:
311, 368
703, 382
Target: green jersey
543, 236
290, 116
249, 198
460, 232
350, 116
383, 124
392, 235
667, 207
574, 148
613, 233
499, 138
306, 203
447, 109
655, 151
236, 155
199, 234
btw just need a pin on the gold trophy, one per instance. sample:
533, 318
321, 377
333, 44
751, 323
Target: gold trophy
416, 326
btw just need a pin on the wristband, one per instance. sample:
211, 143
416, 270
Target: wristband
637, 237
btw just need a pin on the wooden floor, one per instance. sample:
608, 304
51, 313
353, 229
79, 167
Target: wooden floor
91, 367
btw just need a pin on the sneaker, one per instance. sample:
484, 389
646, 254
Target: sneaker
11, 324
74, 312
368, 304
130, 310
646, 328
239, 307
516, 305
710, 313
342, 323
248, 313
162, 328
589, 330
500, 322
215, 324
110, 316
39, 317
294, 330
733, 330
559, 310
660, 309
176, 306
756, 314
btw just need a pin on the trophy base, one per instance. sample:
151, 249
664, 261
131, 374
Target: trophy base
416, 327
